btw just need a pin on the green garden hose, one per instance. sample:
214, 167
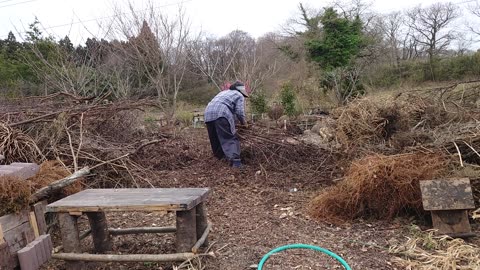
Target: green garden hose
303, 246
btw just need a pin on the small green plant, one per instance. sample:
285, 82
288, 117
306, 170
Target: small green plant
258, 102
184, 117
287, 99
149, 119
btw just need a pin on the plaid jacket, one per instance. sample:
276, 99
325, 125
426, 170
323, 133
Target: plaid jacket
228, 104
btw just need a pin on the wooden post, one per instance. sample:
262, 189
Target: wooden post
451, 222
33, 223
186, 230
5, 255
101, 237
202, 222
39, 209
448, 201
70, 238
1, 234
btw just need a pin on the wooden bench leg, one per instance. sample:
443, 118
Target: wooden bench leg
202, 222
101, 237
70, 238
186, 230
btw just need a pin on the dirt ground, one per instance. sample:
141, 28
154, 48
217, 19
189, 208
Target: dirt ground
252, 211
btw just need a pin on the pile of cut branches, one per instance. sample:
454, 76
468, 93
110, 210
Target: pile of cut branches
277, 150
81, 132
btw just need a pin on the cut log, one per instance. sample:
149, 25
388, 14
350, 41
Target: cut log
186, 230
46, 191
100, 234
70, 238
82, 236
124, 258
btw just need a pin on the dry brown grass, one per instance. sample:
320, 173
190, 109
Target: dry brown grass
51, 171
378, 186
360, 122
14, 195
424, 251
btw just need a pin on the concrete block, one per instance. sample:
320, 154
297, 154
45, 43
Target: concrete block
25, 170
27, 258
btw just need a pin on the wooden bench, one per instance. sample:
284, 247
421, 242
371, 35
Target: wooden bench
191, 228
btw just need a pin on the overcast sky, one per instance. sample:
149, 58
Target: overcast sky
217, 17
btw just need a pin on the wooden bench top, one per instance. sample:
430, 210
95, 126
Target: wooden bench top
131, 199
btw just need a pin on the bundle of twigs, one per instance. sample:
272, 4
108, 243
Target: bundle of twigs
16, 146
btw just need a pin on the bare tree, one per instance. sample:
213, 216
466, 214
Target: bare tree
307, 20
58, 69
391, 27
156, 47
234, 56
475, 10
430, 27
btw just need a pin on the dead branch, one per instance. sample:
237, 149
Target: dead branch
59, 184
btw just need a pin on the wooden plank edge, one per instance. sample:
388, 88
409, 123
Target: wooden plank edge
136, 208
33, 223
2, 240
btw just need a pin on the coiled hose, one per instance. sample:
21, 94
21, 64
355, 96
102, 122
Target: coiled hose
303, 246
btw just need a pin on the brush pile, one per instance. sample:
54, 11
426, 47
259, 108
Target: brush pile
17, 146
277, 150
80, 132
395, 143
14, 195
378, 186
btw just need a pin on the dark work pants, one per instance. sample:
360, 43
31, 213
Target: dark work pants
224, 143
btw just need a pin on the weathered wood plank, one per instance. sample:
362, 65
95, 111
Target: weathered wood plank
1, 235
17, 238
186, 230
33, 223
17, 232
96, 200
11, 221
447, 194
39, 209
7, 261
70, 238
100, 233
451, 222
